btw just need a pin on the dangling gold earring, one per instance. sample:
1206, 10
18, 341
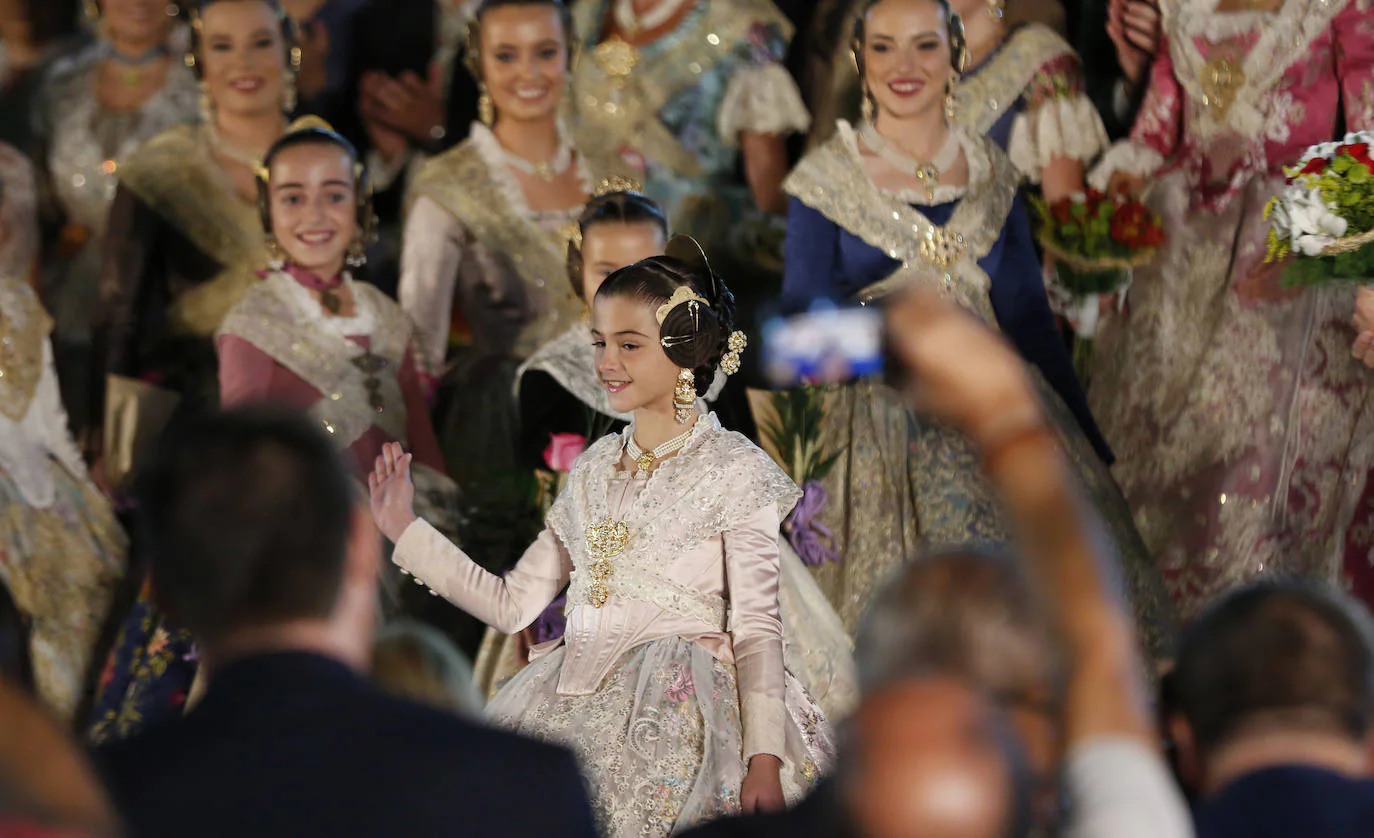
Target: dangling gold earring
486, 111
207, 105
276, 258
357, 253
684, 396
288, 94
949, 97
866, 107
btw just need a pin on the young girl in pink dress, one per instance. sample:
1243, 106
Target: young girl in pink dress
669, 681
308, 334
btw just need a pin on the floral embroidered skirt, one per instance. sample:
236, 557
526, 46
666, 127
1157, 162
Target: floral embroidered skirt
148, 675
660, 742
61, 565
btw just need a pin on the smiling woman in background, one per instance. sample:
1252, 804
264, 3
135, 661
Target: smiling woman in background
183, 242
183, 235
96, 108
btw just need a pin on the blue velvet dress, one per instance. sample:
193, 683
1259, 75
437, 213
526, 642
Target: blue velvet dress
904, 481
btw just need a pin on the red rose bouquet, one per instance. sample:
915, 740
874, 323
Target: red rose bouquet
1096, 240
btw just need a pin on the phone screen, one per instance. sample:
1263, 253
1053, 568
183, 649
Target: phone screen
824, 346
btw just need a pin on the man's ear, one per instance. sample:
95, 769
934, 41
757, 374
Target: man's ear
1187, 760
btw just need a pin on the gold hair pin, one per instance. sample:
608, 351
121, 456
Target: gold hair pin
683, 294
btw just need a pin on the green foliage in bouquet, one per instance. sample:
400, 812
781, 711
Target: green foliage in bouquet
1096, 239
1343, 181
795, 432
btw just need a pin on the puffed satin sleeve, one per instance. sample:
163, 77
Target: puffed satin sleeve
431, 253
507, 604
752, 571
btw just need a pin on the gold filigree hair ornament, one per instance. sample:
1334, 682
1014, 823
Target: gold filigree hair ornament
684, 295
612, 185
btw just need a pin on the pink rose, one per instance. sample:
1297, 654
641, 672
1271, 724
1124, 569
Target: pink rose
563, 450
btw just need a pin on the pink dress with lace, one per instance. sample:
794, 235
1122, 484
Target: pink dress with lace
668, 686
1241, 424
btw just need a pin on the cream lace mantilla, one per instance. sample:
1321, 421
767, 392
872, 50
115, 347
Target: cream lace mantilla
833, 181
271, 318
1231, 90
713, 484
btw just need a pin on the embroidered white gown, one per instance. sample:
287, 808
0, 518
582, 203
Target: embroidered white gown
669, 687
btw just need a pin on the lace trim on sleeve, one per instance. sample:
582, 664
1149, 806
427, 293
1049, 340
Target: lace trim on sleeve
1065, 126
1131, 158
762, 100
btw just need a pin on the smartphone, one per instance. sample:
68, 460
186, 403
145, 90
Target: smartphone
826, 345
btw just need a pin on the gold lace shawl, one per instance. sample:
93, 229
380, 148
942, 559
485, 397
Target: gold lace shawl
322, 357
175, 175
832, 180
718, 480
981, 98
24, 326
614, 112
459, 181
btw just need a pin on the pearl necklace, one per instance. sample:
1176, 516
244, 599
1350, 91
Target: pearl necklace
547, 171
248, 160
647, 460
927, 173
632, 23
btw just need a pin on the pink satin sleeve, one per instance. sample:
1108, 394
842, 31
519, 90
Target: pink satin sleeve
507, 604
752, 573
1159, 122
245, 372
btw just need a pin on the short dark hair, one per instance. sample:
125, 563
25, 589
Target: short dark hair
1285, 654
966, 611
246, 515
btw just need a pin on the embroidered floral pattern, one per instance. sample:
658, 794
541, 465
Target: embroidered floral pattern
659, 750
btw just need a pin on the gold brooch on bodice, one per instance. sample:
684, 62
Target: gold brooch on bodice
941, 247
371, 366
1222, 79
617, 58
605, 541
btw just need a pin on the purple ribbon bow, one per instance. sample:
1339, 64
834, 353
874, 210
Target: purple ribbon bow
812, 540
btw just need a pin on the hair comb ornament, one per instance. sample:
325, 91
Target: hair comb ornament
684, 295
611, 185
